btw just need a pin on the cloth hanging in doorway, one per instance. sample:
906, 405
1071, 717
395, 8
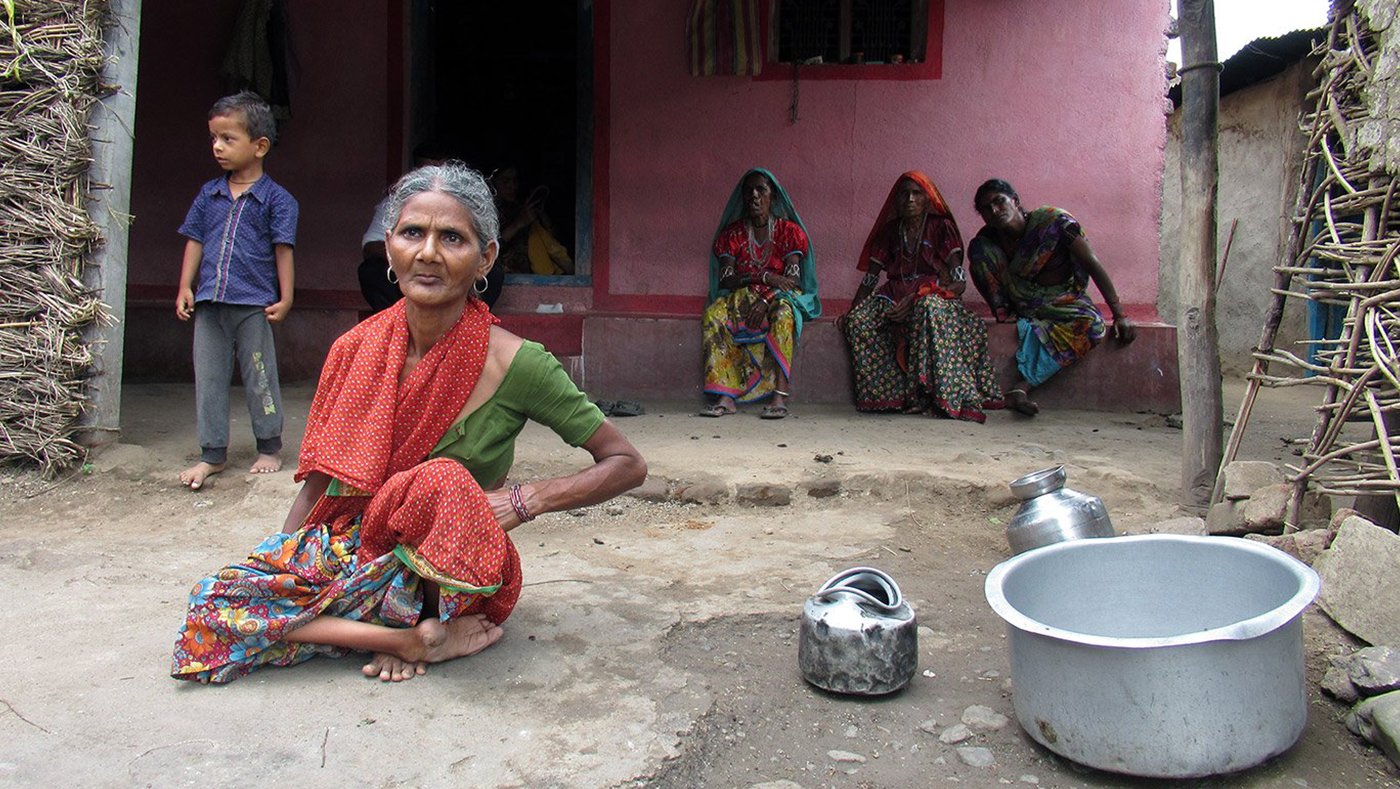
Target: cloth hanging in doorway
257, 55
724, 37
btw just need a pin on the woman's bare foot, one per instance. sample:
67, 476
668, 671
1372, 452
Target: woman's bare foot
266, 464
464, 636
195, 476
392, 668
1019, 400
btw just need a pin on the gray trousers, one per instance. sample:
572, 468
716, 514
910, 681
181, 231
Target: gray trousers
223, 332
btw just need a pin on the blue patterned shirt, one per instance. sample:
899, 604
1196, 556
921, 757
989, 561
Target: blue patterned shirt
239, 265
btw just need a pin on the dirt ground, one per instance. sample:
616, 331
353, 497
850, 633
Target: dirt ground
655, 643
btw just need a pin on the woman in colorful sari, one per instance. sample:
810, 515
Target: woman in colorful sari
763, 286
914, 346
397, 543
1034, 267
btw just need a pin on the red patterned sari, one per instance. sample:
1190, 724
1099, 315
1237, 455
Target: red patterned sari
389, 519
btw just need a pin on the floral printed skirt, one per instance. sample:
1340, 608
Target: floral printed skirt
237, 616
742, 361
937, 359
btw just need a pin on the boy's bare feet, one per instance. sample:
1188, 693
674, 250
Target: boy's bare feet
392, 668
266, 464
195, 476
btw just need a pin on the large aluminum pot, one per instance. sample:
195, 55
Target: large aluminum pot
1051, 512
858, 635
1157, 655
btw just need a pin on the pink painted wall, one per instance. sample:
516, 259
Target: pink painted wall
1063, 98
331, 155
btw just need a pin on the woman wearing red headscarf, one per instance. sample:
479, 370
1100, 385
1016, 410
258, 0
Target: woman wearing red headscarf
914, 346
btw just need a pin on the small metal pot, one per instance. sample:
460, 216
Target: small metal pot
858, 635
1052, 513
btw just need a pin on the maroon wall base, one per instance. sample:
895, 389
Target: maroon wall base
660, 358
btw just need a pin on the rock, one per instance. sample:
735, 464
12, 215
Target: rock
654, 489
929, 726
982, 718
1378, 720
973, 756
701, 493
973, 458
852, 732
1264, 509
823, 488
1030, 779
1304, 546
783, 784
954, 734
1226, 517
763, 494
1361, 581
614, 510
1183, 525
845, 756
1243, 477
1337, 684
1341, 515
1375, 670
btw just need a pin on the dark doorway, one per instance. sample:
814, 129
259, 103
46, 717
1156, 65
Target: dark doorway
508, 83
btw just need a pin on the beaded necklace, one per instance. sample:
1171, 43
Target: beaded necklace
759, 253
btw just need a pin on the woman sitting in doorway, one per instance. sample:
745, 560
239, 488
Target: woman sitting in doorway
914, 346
528, 245
763, 286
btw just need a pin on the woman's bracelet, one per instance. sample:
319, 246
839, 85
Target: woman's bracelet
517, 503
764, 278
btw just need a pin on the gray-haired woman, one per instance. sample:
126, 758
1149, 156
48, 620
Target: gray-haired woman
396, 544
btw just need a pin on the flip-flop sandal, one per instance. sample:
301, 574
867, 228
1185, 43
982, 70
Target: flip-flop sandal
627, 408
773, 412
717, 411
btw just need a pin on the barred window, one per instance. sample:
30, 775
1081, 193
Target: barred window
850, 31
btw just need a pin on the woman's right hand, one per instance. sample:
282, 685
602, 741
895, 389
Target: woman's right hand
900, 312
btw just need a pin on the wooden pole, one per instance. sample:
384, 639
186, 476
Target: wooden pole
113, 120
1198, 341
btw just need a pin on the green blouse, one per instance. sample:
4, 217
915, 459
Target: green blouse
535, 387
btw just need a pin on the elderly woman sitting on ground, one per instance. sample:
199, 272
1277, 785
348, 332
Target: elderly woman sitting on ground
397, 543
914, 346
1034, 267
763, 286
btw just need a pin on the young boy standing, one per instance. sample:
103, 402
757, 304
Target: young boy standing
236, 281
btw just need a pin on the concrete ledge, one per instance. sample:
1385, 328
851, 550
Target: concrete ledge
660, 358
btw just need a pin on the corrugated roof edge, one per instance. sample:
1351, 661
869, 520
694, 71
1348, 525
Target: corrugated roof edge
1259, 60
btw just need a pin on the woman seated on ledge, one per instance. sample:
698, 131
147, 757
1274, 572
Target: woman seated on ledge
914, 346
1034, 267
396, 544
763, 285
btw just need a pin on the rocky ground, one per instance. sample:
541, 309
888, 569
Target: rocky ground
655, 643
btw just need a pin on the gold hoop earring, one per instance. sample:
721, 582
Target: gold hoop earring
480, 286
389, 275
